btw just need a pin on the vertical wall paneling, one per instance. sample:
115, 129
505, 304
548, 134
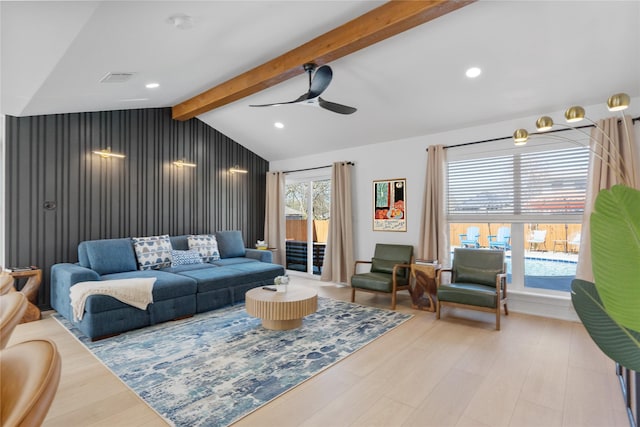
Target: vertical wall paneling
49, 160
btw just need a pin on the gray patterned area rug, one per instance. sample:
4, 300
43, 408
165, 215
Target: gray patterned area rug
217, 367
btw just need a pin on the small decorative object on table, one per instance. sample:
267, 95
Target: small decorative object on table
281, 282
261, 244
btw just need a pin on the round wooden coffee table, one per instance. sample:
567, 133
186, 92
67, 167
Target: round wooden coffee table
282, 310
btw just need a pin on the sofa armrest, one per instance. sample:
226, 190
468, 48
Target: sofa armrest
259, 254
63, 277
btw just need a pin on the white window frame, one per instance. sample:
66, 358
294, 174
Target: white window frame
517, 221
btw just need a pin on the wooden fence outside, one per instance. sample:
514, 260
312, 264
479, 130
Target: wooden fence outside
555, 238
297, 230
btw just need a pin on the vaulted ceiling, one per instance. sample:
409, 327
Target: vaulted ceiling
536, 57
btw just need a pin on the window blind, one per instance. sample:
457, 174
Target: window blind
549, 182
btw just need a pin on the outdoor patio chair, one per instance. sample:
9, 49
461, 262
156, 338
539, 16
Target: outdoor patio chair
537, 238
501, 240
471, 238
478, 282
389, 273
574, 242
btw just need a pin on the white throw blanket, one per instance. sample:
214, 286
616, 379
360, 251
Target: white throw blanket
135, 292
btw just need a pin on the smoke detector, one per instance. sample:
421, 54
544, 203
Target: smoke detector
181, 21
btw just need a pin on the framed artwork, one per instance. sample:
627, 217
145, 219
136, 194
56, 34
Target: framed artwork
389, 205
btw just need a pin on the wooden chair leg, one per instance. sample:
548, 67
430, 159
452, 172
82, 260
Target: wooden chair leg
506, 310
393, 300
498, 318
438, 310
353, 294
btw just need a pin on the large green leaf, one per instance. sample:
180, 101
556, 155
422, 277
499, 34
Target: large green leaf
616, 341
615, 249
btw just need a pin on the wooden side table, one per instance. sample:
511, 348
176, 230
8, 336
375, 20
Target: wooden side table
281, 310
30, 290
424, 289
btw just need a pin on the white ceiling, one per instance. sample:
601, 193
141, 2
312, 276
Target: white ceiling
536, 56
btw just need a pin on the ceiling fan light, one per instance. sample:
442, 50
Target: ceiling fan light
618, 102
574, 114
544, 124
520, 136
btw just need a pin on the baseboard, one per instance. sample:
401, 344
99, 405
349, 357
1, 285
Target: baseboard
557, 307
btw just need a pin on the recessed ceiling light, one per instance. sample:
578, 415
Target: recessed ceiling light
473, 72
279, 125
152, 85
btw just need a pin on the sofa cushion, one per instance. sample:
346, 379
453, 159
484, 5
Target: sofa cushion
185, 258
110, 255
179, 243
230, 244
153, 252
206, 245
483, 276
167, 285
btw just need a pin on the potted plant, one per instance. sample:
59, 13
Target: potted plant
610, 308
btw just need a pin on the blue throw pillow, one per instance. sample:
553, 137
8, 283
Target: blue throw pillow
185, 258
230, 244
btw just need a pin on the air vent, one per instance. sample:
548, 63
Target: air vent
116, 77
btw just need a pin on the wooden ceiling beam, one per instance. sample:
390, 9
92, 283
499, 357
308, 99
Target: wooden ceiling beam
383, 22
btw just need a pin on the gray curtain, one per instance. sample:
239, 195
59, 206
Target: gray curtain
339, 254
275, 228
434, 234
613, 161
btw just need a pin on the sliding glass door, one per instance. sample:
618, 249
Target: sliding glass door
307, 211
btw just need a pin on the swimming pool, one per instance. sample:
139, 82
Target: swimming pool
546, 274
545, 267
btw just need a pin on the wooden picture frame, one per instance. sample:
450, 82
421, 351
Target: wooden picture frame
389, 205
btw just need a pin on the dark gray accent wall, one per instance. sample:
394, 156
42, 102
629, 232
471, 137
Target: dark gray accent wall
58, 193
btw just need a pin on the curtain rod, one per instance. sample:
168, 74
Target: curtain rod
509, 137
317, 167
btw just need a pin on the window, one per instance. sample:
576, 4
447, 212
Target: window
536, 194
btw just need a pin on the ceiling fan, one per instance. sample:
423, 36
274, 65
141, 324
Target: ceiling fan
318, 82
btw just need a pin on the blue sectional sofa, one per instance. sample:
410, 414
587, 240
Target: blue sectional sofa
179, 290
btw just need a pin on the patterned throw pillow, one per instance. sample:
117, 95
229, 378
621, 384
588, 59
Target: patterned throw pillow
206, 245
153, 252
185, 258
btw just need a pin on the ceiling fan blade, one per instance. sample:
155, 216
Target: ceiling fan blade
336, 108
275, 104
320, 82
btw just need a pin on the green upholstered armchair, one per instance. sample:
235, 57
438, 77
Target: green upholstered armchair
478, 282
389, 272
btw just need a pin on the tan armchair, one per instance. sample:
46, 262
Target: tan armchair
12, 307
30, 373
388, 274
478, 282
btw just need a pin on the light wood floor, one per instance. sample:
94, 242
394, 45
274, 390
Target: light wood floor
452, 372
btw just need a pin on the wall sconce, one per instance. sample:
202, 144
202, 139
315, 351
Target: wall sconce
183, 163
574, 114
236, 169
106, 154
